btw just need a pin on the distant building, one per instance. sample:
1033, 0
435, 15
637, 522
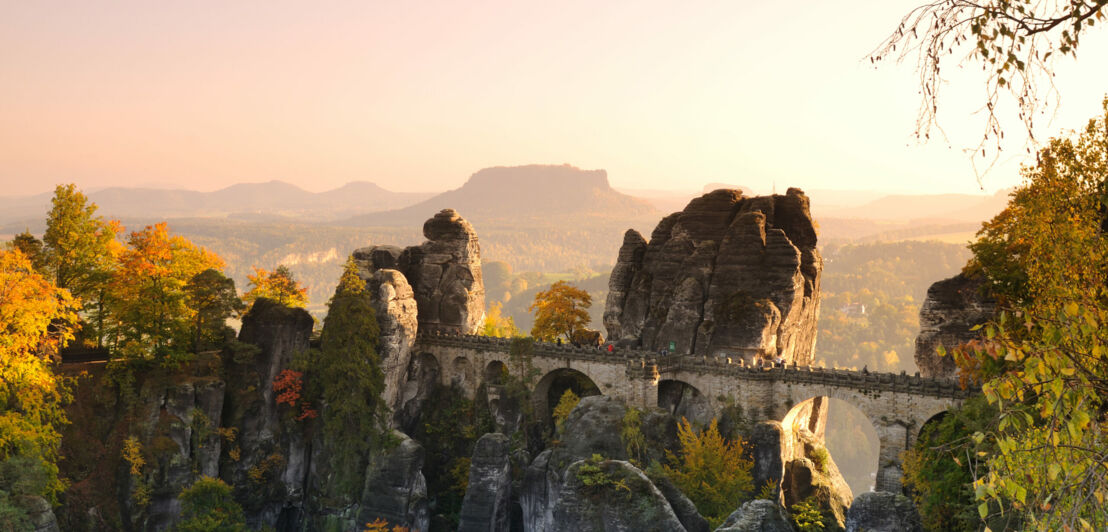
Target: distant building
853, 309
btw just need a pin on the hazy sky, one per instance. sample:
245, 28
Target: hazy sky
416, 96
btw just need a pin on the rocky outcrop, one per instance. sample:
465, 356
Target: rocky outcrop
728, 275
812, 472
952, 307
881, 511
443, 273
486, 503
682, 507
40, 514
769, 445
177, 428
588, 431
757, 516
272, 457
395, 489
611, 496
395, 305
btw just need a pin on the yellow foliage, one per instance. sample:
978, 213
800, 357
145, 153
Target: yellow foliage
566, 405
559, 311
711, 471
498, 325
35, 321
278, 285
132, 454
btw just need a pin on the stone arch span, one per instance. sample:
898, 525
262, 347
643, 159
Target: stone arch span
496, 373
549, 389
684, 400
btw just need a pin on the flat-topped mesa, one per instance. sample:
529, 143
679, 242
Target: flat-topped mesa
726, 276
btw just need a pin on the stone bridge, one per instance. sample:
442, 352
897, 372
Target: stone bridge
897, 405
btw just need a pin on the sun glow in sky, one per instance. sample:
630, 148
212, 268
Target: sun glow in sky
416, 96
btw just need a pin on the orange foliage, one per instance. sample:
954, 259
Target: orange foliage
288, 385
380, 525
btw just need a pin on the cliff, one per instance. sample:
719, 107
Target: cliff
726, 276
952, 308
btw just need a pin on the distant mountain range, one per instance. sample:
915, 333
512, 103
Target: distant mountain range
268, 201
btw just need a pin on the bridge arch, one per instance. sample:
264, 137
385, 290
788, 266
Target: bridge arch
462, 374
548, 391
684, 400
496, 373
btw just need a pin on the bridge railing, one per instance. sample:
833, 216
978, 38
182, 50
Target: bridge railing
639, 360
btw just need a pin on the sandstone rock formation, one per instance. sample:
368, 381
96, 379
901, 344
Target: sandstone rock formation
588, 431
41, 514
683, 508
728, 275
757, 516
485, 506
395, 489
881, 511
264, 443
952, 307
627, 502
444, 273
813, 473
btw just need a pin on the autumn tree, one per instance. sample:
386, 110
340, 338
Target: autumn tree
1015, 43
346, 379
33, 327
79, 251
32, 248
149, 304
279, 285
1044, 361
714, 473
498, 325
560, 310
208, 506
212, 297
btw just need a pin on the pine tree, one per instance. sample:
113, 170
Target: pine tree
347, 373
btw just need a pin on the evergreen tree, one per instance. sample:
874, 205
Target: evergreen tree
347, 374
212, 296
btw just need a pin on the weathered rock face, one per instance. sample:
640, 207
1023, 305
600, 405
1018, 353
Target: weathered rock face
588, 430
395, 305
768, 441
757, 516
443, 273
395, 489
177, 424
41, 514
486, 504
881, 511
682, 507
727, 275
608, 507
269, 475
952, 307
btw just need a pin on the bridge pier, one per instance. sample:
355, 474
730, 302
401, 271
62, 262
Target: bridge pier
895, 438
